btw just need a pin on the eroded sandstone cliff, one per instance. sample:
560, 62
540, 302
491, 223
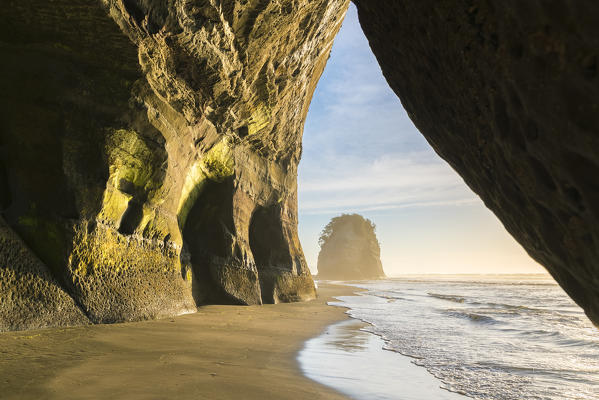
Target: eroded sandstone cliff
149, 149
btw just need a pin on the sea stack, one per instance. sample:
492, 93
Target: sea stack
349, 249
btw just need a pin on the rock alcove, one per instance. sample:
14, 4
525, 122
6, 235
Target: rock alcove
149, 149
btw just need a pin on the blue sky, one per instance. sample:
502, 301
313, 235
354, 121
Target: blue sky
361, 153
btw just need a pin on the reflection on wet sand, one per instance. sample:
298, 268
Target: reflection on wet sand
351, 360
348, 337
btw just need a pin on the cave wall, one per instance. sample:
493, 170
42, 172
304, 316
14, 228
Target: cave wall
138, 140
507, 93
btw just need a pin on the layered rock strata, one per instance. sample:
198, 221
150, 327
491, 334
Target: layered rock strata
149, 151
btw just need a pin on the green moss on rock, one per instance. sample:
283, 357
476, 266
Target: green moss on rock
216, 165
133, 165
118, 277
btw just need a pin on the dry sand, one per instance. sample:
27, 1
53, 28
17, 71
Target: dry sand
222, 352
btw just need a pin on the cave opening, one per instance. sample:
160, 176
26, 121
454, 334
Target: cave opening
131, 218
269, 248
362, 154
208, 236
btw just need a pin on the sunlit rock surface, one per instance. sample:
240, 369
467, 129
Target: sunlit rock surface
149, 151
349, 250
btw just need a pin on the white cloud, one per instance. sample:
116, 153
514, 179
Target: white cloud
387, 182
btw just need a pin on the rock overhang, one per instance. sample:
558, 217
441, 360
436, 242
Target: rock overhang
139, 106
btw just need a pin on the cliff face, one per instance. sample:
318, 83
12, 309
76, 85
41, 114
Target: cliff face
149, 149
349, 250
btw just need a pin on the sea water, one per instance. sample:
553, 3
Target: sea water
351, 360
487, 337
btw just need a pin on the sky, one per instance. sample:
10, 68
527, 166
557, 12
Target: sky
362, 154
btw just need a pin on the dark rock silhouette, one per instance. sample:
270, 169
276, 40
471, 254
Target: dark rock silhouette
349, 249
507, 93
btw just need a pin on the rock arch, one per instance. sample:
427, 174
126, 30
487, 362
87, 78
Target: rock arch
218, 259
274, 246
148, 103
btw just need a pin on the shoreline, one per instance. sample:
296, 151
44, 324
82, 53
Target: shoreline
351, 358
220, 352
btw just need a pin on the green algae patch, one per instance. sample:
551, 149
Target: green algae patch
155, 225
105, 251
136, 168
260, 119
216, 165
126, 277
135, 163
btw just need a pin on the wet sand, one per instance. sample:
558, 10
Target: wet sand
350, 359
222, 352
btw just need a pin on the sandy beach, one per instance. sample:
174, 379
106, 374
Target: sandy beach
221, 352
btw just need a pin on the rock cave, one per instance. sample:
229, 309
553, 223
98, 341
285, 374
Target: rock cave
149, 149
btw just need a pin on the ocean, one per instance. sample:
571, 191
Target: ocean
483, 336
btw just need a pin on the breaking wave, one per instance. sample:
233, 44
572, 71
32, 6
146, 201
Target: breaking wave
514, 338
